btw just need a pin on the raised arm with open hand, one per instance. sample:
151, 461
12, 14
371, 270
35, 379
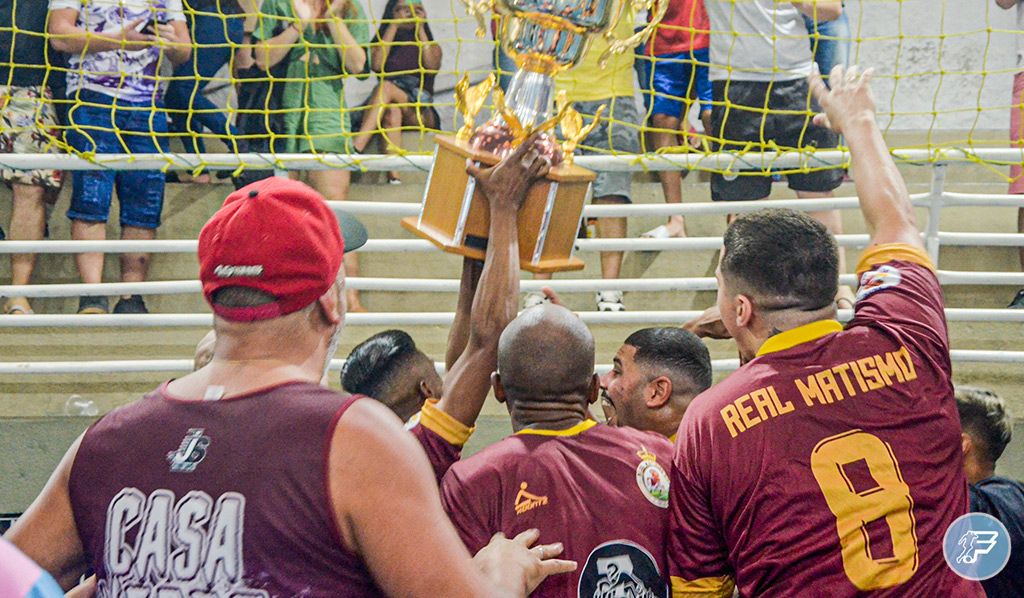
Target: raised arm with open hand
850, 110
505, 186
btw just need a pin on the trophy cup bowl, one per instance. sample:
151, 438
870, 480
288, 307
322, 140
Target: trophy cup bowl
544, 37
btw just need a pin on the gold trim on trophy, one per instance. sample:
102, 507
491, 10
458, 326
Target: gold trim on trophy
469, 101
572, 125
618, 46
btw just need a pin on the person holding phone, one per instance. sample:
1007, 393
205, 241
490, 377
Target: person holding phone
117, 108
407, 58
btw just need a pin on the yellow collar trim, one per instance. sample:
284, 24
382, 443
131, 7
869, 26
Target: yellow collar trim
799, 336
672, 438
583, 426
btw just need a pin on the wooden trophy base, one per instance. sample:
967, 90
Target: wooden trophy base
455, 215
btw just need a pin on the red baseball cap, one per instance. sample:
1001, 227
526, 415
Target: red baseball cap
278, 236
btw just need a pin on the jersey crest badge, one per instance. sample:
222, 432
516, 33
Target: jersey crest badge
191, 451
652, 479
526, 501
882, 277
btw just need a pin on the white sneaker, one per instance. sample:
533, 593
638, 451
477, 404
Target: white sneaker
533, 299
610, 301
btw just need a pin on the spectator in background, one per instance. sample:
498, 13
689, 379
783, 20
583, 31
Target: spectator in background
407, 59
759, 87
216, 26
679, 68
258, 117
320, 42
504, 66
589, 87
114, 52
1017, 128
987, 429
29, 83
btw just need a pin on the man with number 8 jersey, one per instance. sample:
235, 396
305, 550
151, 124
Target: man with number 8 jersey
827, 465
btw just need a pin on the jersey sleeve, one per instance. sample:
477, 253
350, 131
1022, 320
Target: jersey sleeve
697, 553
466, 510
441, 437
898, 287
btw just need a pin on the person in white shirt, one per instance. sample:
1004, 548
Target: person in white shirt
114, 50
760, 60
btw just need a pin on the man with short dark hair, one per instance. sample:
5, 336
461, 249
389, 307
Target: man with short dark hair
390, 368
247, 477
600, 489
987, 429
827, 464
655, 375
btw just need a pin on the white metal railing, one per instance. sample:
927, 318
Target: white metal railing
933, 201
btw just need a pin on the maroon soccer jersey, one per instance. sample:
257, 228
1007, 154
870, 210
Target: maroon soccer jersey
441, 436
830, 464
601, 491
177, 498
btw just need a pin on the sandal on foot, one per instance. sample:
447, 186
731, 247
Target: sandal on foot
17, 306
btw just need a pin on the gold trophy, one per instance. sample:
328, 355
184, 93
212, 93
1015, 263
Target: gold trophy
544, 37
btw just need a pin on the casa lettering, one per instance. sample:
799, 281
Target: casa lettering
183, 548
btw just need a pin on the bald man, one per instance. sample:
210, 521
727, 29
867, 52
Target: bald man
563, 473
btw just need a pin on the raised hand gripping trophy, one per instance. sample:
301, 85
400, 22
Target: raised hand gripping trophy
544, 37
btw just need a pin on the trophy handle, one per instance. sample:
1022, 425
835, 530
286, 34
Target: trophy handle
477, 9
618, 46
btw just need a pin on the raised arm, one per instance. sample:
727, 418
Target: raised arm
353, 56
380, 50
458, 335
884, 200
497, 296
821, 12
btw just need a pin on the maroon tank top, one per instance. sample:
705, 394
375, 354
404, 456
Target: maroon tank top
215, 498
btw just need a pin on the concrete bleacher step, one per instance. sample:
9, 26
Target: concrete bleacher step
189, 205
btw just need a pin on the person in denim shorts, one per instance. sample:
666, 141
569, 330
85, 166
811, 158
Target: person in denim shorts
112, 77
679, 70
28, 125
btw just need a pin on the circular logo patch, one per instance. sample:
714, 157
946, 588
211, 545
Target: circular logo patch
875, 280
621, 569
976, 546
653, 482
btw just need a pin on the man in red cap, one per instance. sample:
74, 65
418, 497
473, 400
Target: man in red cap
247, 478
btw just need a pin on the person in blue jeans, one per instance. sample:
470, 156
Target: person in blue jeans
114, 50
830, 43
217, 26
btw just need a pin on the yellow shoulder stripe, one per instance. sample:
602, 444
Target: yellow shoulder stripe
881, 254
705, 587
444, 425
